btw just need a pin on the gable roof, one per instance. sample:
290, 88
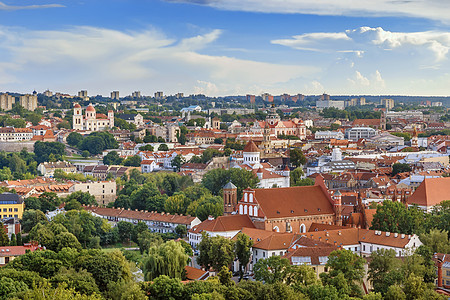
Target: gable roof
293, 201
224, 224
431, 191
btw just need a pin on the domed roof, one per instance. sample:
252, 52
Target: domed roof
90, 108
251, 147
229, 186
77, 106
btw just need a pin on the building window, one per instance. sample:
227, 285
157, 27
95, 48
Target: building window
10, 210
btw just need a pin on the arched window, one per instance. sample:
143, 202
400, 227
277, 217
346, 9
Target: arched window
250, 210
302, 228
245, 209
251, 198
255, 211
241, 211
276, 229
245, 197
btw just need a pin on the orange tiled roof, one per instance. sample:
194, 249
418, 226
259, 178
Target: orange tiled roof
431, 191
293, 201
224, 224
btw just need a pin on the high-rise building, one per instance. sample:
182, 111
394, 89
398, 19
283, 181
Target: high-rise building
48, 93
82, 93
29, 102
251, 98
136, 94
324, 97
179, 95
6, 101
159, 95
115, 95
388, 103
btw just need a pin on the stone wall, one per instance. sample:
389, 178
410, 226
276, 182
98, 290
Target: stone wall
17, 146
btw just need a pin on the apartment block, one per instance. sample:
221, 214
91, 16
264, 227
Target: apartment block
29, 102
6, 101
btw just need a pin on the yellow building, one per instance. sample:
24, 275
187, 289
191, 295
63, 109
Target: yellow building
11, 206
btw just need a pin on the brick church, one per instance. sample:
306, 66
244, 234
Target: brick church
291, 209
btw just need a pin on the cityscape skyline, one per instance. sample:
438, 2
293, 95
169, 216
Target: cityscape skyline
221, 48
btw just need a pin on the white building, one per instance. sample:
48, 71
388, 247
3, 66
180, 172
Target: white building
91, 121
326, 135
357, 133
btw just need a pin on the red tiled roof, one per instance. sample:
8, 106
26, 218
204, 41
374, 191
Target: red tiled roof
224, 224
293, 201
431, 191
251, 147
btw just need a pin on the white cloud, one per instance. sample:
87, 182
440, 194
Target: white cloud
102, 60
4, 6
429, 9
365, 39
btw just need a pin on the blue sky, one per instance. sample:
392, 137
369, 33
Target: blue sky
226, 47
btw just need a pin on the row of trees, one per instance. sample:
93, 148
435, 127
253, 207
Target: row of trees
94, 143
173, 193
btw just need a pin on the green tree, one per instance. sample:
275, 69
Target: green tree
146, 147
297, 157
31, 218
49, 201
43, 150
63, 240
147, 239
84, 198
167, 259
74, 139
385, 270
242, 250
125, 229
181, 230
400, 168
272, 269
215, 179
10, 288
393, 216
346, 272
177, 162
176, 204
79, 280
85, 153
19, 241
132, 161
437, 240
112, 158
164, 287
137, 229
4, 240
215, 252
297, 179
13, 241
163, 147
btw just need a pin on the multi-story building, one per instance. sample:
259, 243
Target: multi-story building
11, 206
115, 95
91, 121
6, 101
326, 135
179, 95
11, 134
29, 102
357, 133
159, 95
136, 119
82, 93
136, 94
321, 104
388, 103
103, 191
156, 222
47, 169
9, 253
48, 93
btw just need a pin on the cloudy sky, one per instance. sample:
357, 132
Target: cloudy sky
226, 47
